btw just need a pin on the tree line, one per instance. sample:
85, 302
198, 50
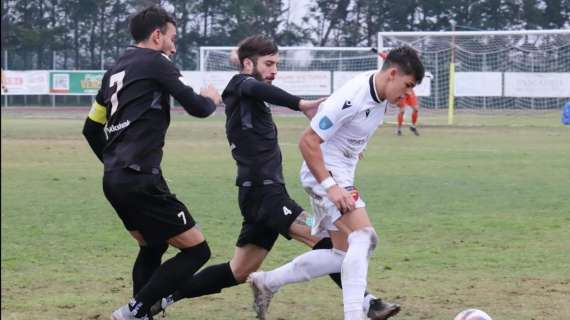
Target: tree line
89, 34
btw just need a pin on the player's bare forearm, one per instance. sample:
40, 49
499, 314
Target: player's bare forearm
310, 145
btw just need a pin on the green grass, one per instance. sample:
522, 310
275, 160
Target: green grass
468, 216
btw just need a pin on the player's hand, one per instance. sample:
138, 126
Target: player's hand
341, 198
211, 92
234, 58
310, 107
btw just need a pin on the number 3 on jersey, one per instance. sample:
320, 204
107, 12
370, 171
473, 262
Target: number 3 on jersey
117, 79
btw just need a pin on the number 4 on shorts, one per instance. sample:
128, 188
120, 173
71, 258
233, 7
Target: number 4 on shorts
286, 211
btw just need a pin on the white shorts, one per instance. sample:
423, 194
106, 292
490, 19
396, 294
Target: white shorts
324, 211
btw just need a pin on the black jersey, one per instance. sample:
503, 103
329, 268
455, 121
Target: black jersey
136, 93
250, 129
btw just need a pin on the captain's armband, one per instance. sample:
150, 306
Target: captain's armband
98, 113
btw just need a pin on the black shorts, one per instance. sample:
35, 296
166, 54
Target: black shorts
267, 212
144, 203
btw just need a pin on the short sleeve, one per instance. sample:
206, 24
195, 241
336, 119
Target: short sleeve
334, 112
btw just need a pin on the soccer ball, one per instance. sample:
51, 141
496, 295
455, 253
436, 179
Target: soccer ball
472, 314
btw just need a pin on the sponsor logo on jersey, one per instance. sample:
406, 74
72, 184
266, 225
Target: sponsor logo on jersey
325, 123
347, 104
356, 142
118, 126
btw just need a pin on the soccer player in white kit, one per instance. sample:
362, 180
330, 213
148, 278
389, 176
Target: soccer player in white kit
331, 146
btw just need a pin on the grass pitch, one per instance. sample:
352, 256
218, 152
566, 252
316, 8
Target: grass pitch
468, 216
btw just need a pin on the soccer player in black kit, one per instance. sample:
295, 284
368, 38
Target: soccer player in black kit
265, 205
126, 129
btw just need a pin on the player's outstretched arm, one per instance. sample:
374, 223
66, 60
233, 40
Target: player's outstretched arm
270, 94
212, 93
198, 105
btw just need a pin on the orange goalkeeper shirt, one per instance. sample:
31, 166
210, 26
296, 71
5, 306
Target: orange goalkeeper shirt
410, 100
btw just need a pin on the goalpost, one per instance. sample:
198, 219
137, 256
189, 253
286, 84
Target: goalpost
491, 70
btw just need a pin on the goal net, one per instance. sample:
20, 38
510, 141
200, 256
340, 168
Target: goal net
491, 71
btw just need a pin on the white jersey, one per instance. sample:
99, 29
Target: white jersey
345, 122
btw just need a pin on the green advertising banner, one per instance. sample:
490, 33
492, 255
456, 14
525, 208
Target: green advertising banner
75, 82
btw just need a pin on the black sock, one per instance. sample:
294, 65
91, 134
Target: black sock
208, 281
170, 274
326, 243
147, 262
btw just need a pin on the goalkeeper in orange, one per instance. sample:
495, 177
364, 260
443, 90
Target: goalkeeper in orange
408, 101
412, 102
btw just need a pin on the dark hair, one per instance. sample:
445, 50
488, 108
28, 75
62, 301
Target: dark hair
407, 60
256, 46
143, 23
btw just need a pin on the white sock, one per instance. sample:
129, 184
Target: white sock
361, 242
310, 265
